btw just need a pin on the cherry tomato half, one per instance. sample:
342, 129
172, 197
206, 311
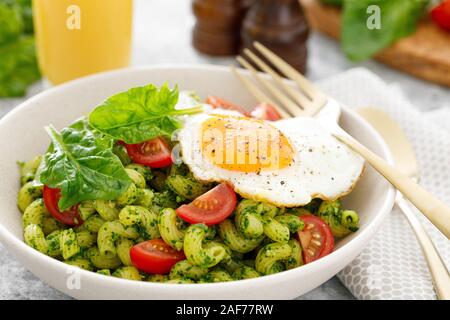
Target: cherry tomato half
155, 256
265, 111
69, 217
217, 102
441, 15
316, 238
154, 153
211, 207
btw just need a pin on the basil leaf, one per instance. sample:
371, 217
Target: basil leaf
81, 163
83, 124
398, 19
139, 114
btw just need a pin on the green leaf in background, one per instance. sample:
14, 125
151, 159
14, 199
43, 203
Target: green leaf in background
18, 66
333, 2
81, 163
139, 114
398, 19
11, 21
27, 14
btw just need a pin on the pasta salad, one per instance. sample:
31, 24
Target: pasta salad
108, 197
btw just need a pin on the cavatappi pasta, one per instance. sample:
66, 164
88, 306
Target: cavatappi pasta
257, 239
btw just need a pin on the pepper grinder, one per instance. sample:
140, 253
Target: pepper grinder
217, 29
281, 26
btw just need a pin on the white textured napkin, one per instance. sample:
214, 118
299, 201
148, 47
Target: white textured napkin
392, 265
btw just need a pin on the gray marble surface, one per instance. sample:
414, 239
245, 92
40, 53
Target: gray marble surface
162, 34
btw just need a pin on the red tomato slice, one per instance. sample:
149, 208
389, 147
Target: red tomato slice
211, 207
265, 111
316, 238
154, 153
69, 217
217, 102
441, 15
155, 256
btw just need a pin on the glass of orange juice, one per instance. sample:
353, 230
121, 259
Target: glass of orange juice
75, 38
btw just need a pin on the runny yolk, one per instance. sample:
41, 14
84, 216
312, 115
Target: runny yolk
244, 144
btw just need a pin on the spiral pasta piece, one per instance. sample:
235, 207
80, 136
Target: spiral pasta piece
270, 257
109, 233
168, 228
103, 261
142, 219
295, 259
204, 256
28, 193
145, 171
28, 169
245, 272
128, 272
232, 238
185, 269
35, 213
34, 237
81, 263
216, 275
248, 219
123, 248
341, 222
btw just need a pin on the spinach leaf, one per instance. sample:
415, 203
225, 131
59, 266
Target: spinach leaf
81, 163
139, 114
398, 19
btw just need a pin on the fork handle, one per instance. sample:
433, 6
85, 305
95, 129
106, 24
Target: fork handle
433, 208
438, 270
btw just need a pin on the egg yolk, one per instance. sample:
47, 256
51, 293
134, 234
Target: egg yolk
244, 144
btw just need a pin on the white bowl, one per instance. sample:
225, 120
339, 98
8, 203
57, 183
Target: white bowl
22, 136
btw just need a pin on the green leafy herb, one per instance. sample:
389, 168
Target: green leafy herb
27, 14
398, 19
18, 65
81, 163
139, 114
11, 21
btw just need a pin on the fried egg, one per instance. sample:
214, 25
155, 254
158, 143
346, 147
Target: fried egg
286, 163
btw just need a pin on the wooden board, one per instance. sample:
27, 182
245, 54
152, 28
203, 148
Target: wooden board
425, 54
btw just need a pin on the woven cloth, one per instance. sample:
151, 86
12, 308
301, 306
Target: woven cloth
392, 265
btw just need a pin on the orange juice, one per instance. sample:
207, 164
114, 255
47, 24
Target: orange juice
75, 38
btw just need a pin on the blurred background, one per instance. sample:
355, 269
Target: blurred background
411, 52
169, 32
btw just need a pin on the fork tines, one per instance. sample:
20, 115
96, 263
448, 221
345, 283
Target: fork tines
288, 100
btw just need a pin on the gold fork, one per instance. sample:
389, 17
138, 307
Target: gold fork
308, 100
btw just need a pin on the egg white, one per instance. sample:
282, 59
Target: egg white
322, 166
